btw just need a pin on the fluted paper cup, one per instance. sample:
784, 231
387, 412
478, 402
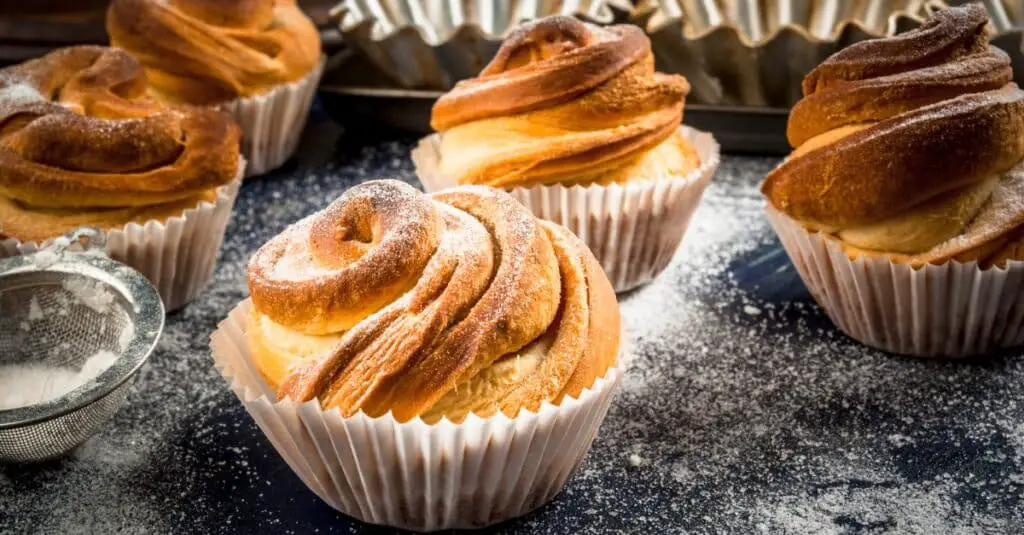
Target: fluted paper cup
950, 310
272, 122
415, 475
633, 229
177, 255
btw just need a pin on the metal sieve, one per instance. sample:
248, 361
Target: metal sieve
58, 309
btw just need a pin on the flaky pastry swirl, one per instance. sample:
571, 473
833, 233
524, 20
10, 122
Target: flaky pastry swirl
564, 101
81, 144
204, 52
439, 305
910, 145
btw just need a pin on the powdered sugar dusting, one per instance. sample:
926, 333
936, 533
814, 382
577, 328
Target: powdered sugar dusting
14, 93
93, 294
727, 421
31, 384
45, 258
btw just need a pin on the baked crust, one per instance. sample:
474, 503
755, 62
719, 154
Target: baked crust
902, 161
81, 143
562, 102
203, 52
487, 309
895, 137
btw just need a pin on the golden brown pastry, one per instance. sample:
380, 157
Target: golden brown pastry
204, 52
81, 144
429, 305
565, 102
911, 146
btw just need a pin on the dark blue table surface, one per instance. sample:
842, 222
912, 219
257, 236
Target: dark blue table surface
742, 411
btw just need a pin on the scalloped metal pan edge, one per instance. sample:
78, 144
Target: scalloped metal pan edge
760, 22
724, 69
433, 44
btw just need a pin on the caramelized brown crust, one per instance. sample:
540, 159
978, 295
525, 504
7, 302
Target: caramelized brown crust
562, 102
900, 162
368, 248
950, 35
484, 307
78, 134
204, 52
876, 99
539, 65
888, 127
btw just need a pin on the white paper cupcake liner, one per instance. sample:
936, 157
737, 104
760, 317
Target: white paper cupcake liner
177, 256
415, 475
949, 310
633, 229
272, 123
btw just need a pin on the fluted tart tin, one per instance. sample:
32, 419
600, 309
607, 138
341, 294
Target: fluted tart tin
751, 53
432, 44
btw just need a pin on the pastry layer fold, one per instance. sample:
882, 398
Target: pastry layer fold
433, 306
81, 143
903, 144
563, 102
204, 52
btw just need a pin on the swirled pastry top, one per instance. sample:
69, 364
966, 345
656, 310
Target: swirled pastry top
77, 132
905, 144
562, 101
439, 305
204, 52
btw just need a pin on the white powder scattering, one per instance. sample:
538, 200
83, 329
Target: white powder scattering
92, 294
751, 310
35, 312
30, 384
635, 460
45, 259
59, 243
125, 337
15, 93
738, 433
900, 440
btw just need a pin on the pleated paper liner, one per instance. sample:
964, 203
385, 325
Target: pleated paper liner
415, 475
633, 229
272, 123
949, 310
177, 256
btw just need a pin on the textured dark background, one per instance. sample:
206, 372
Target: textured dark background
742, 411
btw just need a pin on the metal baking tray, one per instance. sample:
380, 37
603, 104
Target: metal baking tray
737, 129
